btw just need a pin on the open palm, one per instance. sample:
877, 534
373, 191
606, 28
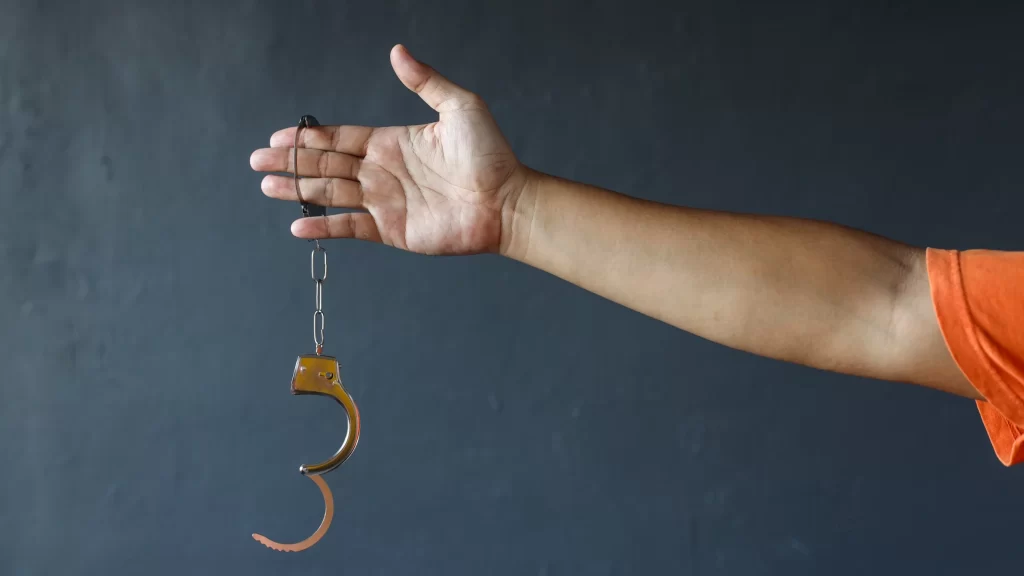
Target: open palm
438, 188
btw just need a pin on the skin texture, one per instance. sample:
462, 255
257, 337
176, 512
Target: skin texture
801, 291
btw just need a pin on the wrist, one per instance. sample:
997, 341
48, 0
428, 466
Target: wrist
519, 213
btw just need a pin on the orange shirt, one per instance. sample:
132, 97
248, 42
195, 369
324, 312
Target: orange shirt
979, 299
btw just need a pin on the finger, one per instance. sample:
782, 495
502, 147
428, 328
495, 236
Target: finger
358, 225
336, 192
437, 91
318, 163
347, 139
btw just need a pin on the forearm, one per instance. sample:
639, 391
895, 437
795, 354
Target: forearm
796, 290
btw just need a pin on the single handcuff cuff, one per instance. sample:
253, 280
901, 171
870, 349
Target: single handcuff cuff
318, 374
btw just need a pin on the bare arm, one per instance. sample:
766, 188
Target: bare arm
796, 290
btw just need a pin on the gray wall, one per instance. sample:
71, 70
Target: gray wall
152, 301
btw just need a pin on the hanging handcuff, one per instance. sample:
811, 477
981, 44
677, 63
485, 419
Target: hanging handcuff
318, 374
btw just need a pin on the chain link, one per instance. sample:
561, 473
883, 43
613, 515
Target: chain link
318, 331
318, 280
312, 264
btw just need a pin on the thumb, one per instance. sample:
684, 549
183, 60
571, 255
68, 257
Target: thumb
437, 91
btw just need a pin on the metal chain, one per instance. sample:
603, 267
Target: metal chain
318, 315
307, 211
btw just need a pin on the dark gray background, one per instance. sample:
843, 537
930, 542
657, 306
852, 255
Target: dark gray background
152, 300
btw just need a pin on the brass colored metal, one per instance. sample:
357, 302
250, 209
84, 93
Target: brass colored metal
321, 375
308, 542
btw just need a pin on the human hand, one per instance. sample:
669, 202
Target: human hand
448, 187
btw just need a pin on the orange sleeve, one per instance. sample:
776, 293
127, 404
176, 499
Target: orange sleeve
979, 300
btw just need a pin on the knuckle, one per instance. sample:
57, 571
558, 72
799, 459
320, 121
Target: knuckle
336, 139
366, 142
345, 225
429, 81
322, 164
330, 191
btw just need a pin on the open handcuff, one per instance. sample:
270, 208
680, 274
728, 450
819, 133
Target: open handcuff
318, 374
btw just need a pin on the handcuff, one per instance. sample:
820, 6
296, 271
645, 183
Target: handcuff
318, 374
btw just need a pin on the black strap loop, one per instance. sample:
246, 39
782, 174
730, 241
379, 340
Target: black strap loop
307, 121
